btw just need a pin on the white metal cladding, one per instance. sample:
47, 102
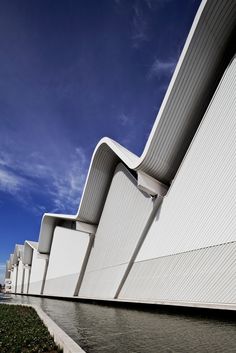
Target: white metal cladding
29, 246
61, 286
67, 255
20, 277
123, 219
18, 252
189, 252
8, 268
26, 280
203, 59
205, 275
200, 207
200, 66
37, 273
102, 283
97, 176
13, 278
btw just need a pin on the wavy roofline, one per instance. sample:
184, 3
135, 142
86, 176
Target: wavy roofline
174, 126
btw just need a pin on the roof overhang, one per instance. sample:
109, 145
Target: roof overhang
50, 221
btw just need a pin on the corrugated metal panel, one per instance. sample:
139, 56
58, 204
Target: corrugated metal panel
198, 212
200, 207
67, 256
123, 219
26, 280
8, 268
102, 181
37, 274
61, 286
19, 277
103, 283
207, 275
13, 279
200, 67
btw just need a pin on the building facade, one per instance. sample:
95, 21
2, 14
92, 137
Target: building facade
160, 228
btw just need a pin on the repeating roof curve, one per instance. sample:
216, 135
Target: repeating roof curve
205, 56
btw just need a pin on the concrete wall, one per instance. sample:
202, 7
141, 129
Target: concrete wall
123, 219
67, 255
189, 253
38, 267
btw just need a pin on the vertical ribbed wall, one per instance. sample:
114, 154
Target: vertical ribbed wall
19, 277
13, 279
26, 280
67, 255
123, 219
37, 273
185, 255
190, 91
205, 275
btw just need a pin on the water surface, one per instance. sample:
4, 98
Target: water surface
106, 329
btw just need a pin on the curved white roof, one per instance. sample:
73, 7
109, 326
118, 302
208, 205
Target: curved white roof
204, 58
8, 265
29, 247
11, 260
18, 253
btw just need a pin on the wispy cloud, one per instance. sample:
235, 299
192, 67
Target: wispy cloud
161, 69
59, 183
142, 12
124, 120
68, 188
140, 26
154, 3
127, 129
10, 182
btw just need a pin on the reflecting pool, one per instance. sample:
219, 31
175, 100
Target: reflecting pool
107, 329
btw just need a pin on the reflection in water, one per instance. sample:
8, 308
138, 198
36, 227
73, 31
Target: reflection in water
106, 329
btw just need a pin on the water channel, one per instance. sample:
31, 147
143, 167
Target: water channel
107, 329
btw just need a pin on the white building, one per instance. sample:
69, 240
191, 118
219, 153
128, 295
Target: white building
160, 228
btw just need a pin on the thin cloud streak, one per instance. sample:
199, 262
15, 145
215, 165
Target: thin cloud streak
63, 181
10, 182
127, 127
124, 120
67, 190
139, 27
161, 69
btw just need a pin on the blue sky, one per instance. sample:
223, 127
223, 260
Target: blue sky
72, 72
